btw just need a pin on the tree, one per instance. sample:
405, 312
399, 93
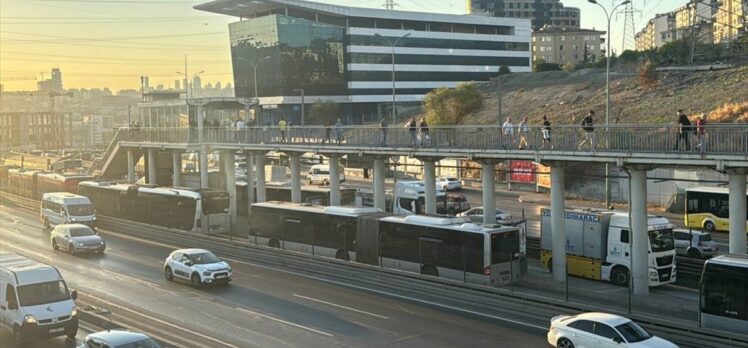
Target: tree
450, 106
648, 75
322, 111
541, 65
503, 70
568, 67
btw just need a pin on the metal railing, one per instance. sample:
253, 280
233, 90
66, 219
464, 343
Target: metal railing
717, 139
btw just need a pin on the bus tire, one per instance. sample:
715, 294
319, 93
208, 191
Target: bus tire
273, 243
693, 253
325, 182
620, 276
709, 226
342, 254
308, 181
429, 270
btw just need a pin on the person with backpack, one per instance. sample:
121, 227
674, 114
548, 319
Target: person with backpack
684, 131
589, 131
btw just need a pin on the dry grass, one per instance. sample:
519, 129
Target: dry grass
736, 112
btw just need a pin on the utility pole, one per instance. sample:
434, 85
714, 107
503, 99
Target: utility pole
628, 26
694, 8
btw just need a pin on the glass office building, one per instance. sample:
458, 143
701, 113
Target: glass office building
344, 54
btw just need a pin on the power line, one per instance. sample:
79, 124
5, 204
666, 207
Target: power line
117, 38
99, 63
46, 54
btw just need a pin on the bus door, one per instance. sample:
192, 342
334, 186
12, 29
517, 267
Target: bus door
428, 254
503, 263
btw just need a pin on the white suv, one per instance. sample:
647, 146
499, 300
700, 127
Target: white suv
449, 184
198, 266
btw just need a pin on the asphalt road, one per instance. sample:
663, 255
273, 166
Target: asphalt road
6, 339
262, 307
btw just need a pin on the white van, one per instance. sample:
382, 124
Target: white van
320, 174
66, 208
34, 300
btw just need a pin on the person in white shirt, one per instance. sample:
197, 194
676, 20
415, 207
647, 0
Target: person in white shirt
508, 131
523, 129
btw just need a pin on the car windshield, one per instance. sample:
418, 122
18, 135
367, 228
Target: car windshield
41, 293
80, 209
452, 179
146, 343
661, 240
705, 238
204, 258
633, 332
81, 232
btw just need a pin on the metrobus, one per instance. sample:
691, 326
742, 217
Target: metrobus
55, 182
723, 293
23, 182
194, 210
275, 191
441, 246
708, 208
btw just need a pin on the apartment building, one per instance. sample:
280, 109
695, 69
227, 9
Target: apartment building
561, 45
541, 13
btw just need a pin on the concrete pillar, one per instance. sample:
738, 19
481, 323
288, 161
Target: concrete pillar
260, 167
379, 174
250, 178
737, 212
489, 201
204, 182
429, 179
176, 178
334, 180
227, 161
130, 166
639, 235
199, 118
295, 178
558, 230
152, 166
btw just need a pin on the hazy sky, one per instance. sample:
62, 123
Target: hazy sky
111, 43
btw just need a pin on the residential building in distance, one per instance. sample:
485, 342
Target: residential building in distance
658, 31
561, 45
730, 20
52, 85
344, 54
541, 13
695, 17
35, 130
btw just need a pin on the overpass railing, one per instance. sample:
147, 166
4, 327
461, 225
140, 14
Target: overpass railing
716, 139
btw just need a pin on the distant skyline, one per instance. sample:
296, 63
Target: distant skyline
111, 43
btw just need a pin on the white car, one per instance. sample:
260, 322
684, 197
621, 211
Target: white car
449, 184
476, 215
694, 244
320, 174
76, 238
198, 266
118, 339
601, 330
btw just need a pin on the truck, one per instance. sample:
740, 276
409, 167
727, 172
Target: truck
410, 199
35, 301
598, 246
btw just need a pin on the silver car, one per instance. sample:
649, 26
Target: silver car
476, 215
694, 244
118, 339
76, 238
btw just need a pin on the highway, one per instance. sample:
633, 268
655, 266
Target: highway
263, 307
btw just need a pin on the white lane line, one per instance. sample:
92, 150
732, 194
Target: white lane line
339, 306
159, 321
283, 321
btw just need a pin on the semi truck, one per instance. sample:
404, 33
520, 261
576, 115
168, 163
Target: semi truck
410, 198
598, 246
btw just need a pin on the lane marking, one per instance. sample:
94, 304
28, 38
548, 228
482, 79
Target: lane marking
340, 306
163, 322
283, 321
274, 339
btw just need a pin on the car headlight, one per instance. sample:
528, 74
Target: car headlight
72, 219
206, 273
653, 273
230, 269
78, 244
74, 312
94, 218
29, 319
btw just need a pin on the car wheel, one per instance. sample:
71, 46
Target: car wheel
325, 182
343, 255
54, 245
196, 280
46, 223
619, 276
308, 181
693, 253
709, 226
564, 343
168, 274
71, 249
444, 188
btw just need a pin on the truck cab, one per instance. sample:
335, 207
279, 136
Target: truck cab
66, 208
35, 302
410, 199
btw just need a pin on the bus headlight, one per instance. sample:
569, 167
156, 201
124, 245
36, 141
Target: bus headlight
29, 319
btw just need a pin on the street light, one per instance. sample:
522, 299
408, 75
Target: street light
188, 85
607, 92
393, 44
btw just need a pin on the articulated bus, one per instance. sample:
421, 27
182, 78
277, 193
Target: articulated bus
708, 208
194, 210
440, 246
723, 293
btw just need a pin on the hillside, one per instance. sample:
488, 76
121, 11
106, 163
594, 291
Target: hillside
566, 97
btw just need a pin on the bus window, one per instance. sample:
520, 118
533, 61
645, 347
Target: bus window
725, 291
503, 246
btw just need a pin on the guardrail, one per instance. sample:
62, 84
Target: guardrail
729, 139
474, 299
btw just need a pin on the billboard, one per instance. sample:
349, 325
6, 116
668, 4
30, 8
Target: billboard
544, 180
522, 172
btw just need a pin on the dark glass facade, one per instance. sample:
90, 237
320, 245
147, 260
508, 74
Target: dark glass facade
425, 59
303, 54
362, 40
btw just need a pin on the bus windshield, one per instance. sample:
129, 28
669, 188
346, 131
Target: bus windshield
661, 240
41, 293
503, 246
724, 291
215, 202
80, 209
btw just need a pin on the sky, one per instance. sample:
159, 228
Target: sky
111, 43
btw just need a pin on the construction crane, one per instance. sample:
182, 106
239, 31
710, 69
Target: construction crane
18, 78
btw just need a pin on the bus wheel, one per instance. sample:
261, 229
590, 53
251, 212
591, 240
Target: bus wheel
343, 255
709, 226
429, 270
273, 243
620, 276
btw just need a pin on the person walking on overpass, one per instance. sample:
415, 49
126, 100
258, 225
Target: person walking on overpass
546, 132
328, 131
282, 128
701, 136
383, 129
339, 131
589, 131
523, 129
684, 132
425, 136
412, 129
507, 130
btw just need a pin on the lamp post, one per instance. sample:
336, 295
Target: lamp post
393, 44
607, 92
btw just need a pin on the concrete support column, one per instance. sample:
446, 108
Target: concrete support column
489, 201
176, 177
260, 166
204, 182
199, 119
130, 167
379, 174
334, 180
429, 179
737, 212
295, 178
152, 166
227, 161
558, 230
639, 236
250, 178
